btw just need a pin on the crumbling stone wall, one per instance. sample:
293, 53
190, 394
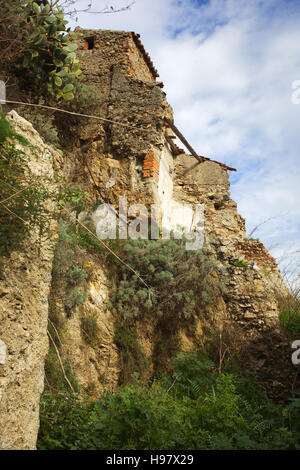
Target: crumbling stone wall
250, 297
133, 107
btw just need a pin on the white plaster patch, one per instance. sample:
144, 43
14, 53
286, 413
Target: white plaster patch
2, 352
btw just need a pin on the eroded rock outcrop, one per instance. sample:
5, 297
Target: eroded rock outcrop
25, 277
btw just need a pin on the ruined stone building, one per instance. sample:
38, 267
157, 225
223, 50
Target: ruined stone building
147, 166
130, 151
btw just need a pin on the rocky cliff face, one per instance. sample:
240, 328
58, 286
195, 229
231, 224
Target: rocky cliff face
25, 277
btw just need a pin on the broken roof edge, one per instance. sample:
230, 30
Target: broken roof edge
178, 151
146, 56
136, 40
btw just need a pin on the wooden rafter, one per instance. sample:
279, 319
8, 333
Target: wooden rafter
200, 158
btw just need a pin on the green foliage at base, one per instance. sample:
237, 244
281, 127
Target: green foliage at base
64, 422
197, 410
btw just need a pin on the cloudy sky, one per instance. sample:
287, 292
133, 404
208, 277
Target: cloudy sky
228, 67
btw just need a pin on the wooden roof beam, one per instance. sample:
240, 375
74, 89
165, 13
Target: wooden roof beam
200, 158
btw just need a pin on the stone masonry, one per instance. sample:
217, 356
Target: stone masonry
148, 170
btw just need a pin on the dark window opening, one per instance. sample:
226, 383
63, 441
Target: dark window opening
218, 206
89, 43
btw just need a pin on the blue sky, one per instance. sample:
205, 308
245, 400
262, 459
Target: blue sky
228, 68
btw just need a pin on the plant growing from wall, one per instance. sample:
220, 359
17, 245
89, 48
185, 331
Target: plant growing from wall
180, 281
240, 263
51, 56
67, 274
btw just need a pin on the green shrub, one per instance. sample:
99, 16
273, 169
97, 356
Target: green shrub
50, 54
38, 44
193, 373
74, 299
67, 275
240, 263
140, 418
77, 275
64, 422
179, 281
152, 417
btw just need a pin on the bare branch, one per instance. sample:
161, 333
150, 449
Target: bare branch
106, 10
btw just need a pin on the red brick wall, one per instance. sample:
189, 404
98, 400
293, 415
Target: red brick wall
256, 252
151, 166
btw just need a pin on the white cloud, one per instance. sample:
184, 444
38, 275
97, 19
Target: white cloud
228, 67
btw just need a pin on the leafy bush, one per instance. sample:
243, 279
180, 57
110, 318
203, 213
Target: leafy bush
77, 275
193, 373
140, 416
133, 418
64, 422
179, 281
74, 299
68, 278
51, 54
